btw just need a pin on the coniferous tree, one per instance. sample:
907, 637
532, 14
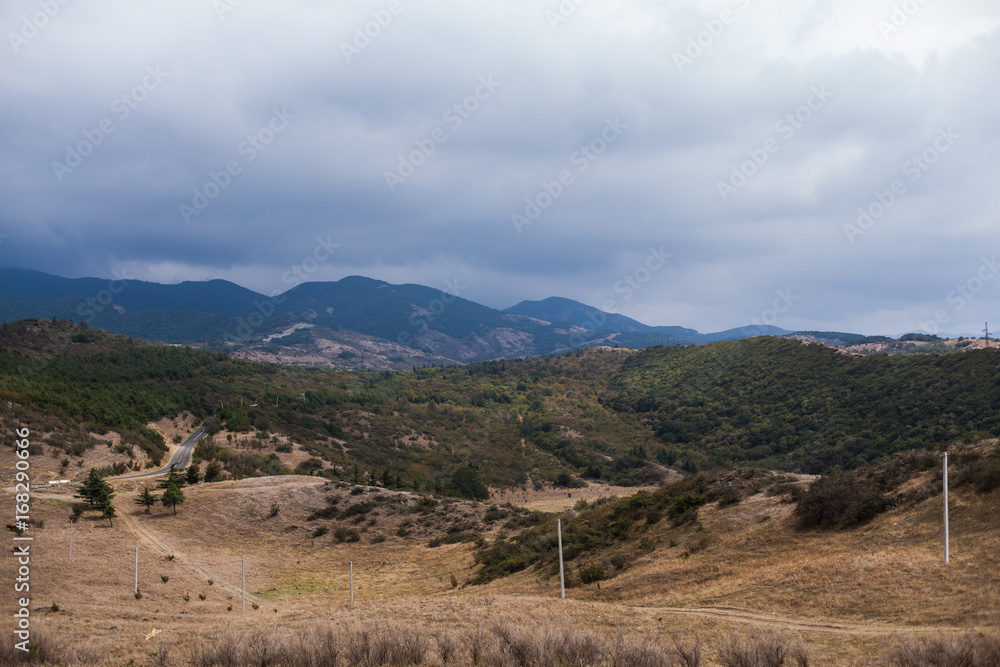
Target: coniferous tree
90, 490
172, 497
213, 471
147, 499
193, 474
174, 478
104, 504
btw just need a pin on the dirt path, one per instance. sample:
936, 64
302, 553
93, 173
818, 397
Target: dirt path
155, 541
799, 624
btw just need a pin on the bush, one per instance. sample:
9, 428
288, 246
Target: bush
346, 534
729, 496
988, 478
43, 647
968, 649
761, 649
321, 531
839, 500
592, 573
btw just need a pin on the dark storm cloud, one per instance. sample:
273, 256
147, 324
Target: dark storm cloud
417, 147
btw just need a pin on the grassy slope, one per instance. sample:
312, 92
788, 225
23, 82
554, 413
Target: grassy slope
846, 593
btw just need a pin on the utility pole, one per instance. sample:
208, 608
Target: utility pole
137, 569
946, 535
987, 332
243, 580
351, 569
71, 524
562, 578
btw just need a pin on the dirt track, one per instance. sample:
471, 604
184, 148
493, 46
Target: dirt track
776, 621
157, 543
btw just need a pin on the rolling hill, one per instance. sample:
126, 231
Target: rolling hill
609, 415
355, 322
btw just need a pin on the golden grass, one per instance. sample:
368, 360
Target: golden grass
846, 595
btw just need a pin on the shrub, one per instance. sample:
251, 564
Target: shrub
346, 534
967, 649
839, 500
321, 531
275, 508
729, 496
592, 573
761, 649
43, 648
988, 478
164, 578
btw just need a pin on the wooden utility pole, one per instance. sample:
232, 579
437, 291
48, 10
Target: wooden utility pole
351, 571
243, 582
71, 524
562, 578
137, 569
947, 555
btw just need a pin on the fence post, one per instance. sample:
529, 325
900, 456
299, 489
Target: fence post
947, 555
562, 578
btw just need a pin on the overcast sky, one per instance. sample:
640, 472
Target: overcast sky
687, 163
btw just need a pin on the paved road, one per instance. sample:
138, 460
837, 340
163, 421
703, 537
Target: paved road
181, 458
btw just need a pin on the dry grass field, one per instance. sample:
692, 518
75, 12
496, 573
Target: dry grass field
847, 597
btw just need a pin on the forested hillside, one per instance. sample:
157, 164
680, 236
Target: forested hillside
784, 404
618, 416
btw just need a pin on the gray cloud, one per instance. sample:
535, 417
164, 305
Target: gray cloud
557, 84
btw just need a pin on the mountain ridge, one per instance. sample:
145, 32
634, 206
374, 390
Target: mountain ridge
354, 322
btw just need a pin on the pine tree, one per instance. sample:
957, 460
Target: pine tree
174, 478
172, 497
213, 471
193, 474
147, 499
90, 490
104, 504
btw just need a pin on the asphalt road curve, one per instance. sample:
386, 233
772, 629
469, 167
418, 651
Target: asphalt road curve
181, 458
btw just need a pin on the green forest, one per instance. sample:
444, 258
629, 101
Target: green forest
618, 416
